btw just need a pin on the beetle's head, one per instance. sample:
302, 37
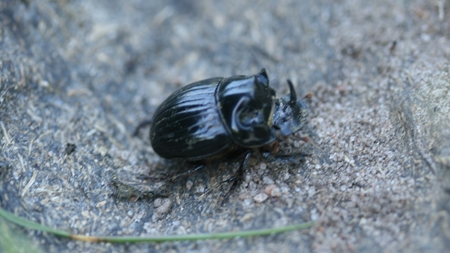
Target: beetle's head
290, 113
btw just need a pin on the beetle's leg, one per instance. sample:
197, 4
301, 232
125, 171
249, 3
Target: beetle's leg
186, 173
271, 152
146, 177
237, 177
172, 178
270, 149
141, 125
293, 158
274, 154
275, 147
305, 139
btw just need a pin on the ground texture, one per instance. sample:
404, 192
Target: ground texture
78, 76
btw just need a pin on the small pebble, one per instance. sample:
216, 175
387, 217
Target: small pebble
157, 202
260, 197
268, 180
247, 202
165, 206
189, 185
276, 192
247, 217
200, 189
269, 189
263, 166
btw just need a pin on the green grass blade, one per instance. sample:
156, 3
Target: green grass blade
129, 239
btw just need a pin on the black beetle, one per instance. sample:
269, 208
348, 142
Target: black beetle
216, 117
211, 118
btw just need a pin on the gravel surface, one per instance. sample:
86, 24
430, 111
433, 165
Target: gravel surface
77, 77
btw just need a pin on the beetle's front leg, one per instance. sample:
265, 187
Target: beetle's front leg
237, 177
186, 173
172, 178
271, 152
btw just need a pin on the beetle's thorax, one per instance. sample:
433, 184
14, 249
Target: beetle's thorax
245, 104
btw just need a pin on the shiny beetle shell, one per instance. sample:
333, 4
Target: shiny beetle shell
217, 115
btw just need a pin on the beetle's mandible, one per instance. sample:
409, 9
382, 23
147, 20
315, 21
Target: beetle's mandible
213, 117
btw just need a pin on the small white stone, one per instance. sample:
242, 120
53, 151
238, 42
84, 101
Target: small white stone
263, 166
260, 198
276, 192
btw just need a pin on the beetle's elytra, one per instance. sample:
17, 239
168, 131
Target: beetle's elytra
212, 117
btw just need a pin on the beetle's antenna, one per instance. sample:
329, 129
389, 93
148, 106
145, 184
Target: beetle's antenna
293, 99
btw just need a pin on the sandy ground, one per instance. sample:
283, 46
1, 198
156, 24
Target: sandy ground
83, 74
